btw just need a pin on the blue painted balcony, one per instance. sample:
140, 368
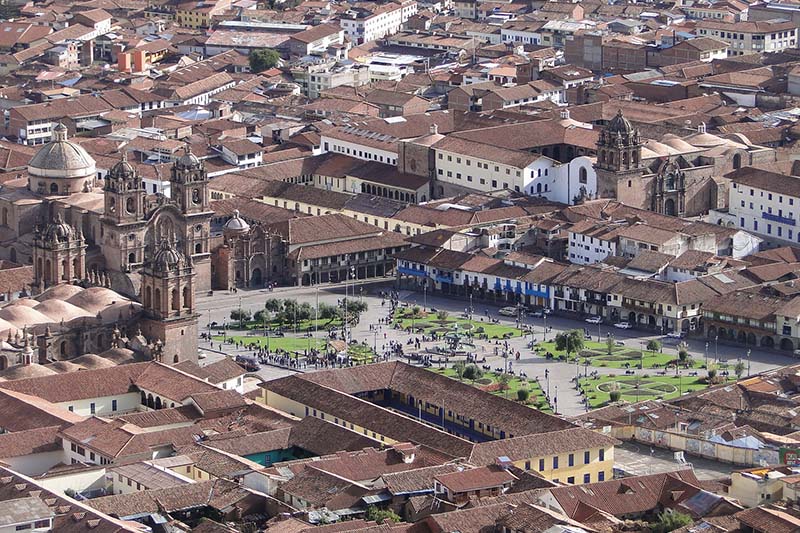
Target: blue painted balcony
777, 218
408, 271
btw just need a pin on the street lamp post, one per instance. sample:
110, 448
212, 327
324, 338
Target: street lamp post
748, 363
544, 317
706, 356
425, 297
716, 349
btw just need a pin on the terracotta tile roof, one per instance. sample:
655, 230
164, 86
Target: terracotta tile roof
415, 480
31, 441
218, 494
369, 464
321, 437
769, 519
539, 445
472, 479
627, 496
248, 444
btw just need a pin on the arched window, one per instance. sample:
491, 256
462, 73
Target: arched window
176, 301
54, 188
157, 304
198, 248
130, 206
5, 216
582, 175
148, 297
737, 161
539, 188
131, 258
186, 297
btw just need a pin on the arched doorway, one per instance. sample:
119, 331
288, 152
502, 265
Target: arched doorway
256, 279
751, 338
787, 344
767, 342
669, 207
12, 255
158, 403
712, 332
742, 337
3, 362
737, 161
632, 317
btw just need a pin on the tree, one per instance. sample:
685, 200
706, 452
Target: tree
442, 315
376, 514
262, 317
242, 315
670, 521
609, 345
459, 368
263, 59
614, 396
653, 346
503, 381
328, 312
570, 341
739, 369
274, 304
712, 373
415, 311
523, 395
472, 372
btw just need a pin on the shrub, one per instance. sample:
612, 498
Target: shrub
523, 395
472, 372
614, 395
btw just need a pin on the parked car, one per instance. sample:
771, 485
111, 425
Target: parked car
595, 320
674, 335
619, 343
508, 311
623, 325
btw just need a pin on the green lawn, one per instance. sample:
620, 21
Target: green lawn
289, 344
359, 353
430, 323
597, 355
649, 387
302, 325
490, 383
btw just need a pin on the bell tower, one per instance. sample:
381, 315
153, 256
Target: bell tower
168, 300
59, 254
619, 160
123, 217
189, 183
124, 193
189, 192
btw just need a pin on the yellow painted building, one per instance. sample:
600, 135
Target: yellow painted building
558, 451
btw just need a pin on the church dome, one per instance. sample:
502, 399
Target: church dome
236, 225
188, 160
620, 124
58, 231
122, 169
167, 258
61, 158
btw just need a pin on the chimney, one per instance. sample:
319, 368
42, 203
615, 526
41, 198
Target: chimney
565, 114
701, 128
434, 129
